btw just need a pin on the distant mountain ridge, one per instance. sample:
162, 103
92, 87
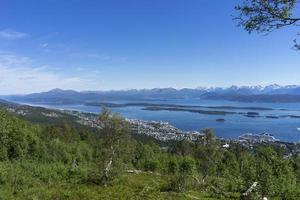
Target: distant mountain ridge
270, 93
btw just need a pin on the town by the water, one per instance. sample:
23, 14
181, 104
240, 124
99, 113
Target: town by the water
163, 131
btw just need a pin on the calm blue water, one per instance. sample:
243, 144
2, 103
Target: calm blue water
234, 125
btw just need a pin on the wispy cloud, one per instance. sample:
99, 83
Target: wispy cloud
10, 34
97, 56
18, 75
91, 55
44, 45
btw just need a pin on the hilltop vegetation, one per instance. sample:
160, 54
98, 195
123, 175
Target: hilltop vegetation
63, 162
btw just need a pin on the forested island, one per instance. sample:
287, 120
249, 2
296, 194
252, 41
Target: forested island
142, 104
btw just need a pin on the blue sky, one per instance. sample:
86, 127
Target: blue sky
122, 44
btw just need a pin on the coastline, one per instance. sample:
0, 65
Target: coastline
214, 120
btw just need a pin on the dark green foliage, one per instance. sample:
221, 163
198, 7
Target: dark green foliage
63, 162
187, 166
172, 167
182, 148
17, 138
207, 154
116, 149
275, 174
296, 165
151, 165
184, 179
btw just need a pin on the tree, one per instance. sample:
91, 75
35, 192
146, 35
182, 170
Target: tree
187, 166
274, 174
182, 148
185, 179
207, 153
18, 139
172, 166
265, 16
116, 146
209, 138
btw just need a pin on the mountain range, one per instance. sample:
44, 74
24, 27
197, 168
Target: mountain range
270, 93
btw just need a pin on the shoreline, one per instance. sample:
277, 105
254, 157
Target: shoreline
38, 108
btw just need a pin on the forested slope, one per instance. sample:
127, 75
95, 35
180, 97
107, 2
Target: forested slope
62, 162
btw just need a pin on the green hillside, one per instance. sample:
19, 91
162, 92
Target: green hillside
64, 162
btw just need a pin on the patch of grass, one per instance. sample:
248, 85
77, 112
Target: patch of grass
29, 180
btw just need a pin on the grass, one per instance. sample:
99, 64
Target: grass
32, 181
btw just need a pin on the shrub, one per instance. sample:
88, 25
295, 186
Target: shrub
187, 166
151, 165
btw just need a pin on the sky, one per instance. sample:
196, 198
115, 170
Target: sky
124, 44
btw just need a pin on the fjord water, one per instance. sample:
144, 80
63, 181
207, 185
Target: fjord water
284, 128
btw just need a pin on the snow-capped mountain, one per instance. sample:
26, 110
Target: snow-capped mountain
257, 89
269, 93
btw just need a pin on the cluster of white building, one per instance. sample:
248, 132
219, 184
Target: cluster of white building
17, 111
85, 119
158, 129
257, 138
162, 130
51, 114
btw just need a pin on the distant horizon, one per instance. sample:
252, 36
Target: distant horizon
140, 89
